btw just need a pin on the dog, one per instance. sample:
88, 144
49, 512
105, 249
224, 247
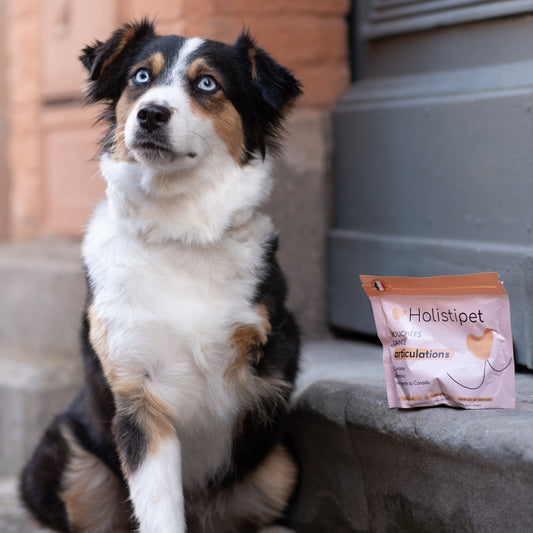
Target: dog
189, 351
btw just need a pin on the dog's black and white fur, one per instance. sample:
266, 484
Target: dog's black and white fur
189, 352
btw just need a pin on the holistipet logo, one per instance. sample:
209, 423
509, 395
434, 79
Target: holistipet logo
434, 314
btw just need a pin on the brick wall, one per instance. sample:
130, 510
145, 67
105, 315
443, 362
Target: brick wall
4, 184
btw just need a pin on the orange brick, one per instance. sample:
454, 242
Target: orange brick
24, 117
161, 10
240, 7
324, 85
68, 29
72, 183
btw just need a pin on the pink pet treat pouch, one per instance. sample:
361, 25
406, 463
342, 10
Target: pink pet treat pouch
446, 340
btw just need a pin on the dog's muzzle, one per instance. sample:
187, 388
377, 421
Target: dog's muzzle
151, 141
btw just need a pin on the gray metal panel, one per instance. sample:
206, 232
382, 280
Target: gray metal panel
433, 174
392, 17
491, 42
455, 165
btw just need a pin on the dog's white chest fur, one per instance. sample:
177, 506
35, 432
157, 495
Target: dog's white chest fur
169, 311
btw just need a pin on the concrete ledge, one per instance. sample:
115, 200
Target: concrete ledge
370, 468
33, 389
43, 290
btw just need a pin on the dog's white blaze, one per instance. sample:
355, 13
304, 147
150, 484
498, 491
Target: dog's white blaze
156, 491
189, 47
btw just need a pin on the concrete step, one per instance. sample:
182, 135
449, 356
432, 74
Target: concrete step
368, 468
42, 291
32, 390
42, 294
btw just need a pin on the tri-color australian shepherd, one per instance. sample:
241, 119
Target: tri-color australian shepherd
189, 352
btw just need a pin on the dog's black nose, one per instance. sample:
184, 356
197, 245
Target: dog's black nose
153, 116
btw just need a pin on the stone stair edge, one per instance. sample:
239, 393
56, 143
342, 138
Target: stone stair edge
62, 253
37, 371
43, 293
352, 393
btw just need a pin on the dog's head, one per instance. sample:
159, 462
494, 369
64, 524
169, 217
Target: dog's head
174, 102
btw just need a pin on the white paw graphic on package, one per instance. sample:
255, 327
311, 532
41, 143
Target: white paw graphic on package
446, 340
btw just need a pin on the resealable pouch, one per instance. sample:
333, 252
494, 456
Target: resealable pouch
446, 340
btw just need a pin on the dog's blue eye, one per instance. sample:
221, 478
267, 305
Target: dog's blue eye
207, 84
142, 76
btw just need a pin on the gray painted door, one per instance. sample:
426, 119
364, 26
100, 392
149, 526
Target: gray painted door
433, 153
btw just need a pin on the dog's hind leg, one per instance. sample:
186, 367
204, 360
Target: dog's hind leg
253, 504
40, 481
68, 489
263, 495
95, 498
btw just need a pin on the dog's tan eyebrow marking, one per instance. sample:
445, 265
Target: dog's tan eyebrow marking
155, 63
199, 68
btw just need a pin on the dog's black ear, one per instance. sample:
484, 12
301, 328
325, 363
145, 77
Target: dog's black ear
278, 87
271, 91
106, 62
